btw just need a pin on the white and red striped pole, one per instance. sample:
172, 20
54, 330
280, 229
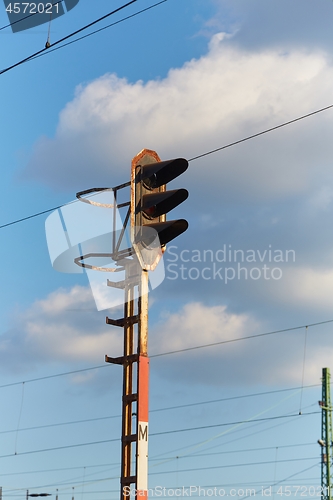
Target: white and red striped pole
143, 392
142, 432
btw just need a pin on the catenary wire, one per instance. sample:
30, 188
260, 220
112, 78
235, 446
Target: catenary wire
248, 483
32, 216
26, 59
245, 450
100, 29
258, 134
251, 483
193, 158
288, 478
47, 211
254, 483
53, 376
251, 433
233, 440
193, 469
26, 17
238, 339
108, 417
175, 352
282, 446
254, 418
174, 431
268, 483
94, 481
226, 466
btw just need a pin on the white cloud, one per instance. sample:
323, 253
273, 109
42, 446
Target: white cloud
321, 200
272, 189
279, 23
62, 328
225, 95
307, 288
273, 359
197, 324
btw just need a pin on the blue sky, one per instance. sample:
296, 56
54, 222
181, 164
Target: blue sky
184, 78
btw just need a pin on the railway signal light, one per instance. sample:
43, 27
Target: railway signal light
151, 201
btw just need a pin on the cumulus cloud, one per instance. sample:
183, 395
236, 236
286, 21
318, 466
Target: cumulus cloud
225, 95
64, 328
196, 324
269, 360
262, 23
272, 190
307, 288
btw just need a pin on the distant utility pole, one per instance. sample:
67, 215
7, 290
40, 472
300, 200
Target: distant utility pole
326, 437
37, 494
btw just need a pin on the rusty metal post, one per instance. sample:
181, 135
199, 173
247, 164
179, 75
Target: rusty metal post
134, 441
128, 397
143, 315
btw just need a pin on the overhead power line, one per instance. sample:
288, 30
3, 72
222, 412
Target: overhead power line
206, 486
191, 159
31, 216
258, 134
26, 17
55, 448
54, 46
26, 59
45, 377
245, 450
96, 466
229, 341
154, 410
174, 431
252, 420
231, 398
226, 466
193, 469
198, 469
175, 352
99, 30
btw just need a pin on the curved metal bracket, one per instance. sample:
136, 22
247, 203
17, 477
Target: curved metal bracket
78, 262
91, 202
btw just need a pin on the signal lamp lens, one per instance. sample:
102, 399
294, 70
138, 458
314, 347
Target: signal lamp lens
150, 182
150, 213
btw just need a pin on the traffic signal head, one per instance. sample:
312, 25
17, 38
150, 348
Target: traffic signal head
150, 202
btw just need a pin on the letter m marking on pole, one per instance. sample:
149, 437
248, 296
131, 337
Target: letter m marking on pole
143, 432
